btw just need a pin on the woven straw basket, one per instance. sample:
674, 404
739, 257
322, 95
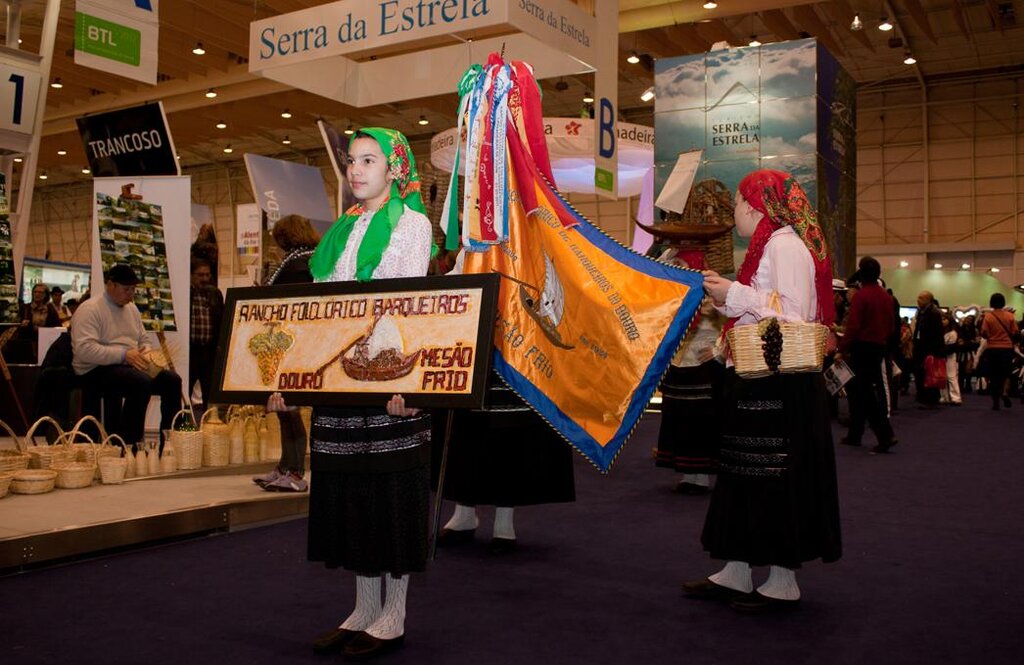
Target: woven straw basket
13, 460
113, 469
76, 474
188, 445
33, 481
5, 482
216, 439
43, 457
803, 347
89, 452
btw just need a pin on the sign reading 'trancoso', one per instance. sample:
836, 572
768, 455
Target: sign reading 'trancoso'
131, 142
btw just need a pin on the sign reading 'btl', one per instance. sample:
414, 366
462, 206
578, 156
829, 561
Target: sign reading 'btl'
118, 37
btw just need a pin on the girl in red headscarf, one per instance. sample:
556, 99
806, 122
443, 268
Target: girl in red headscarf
775, 502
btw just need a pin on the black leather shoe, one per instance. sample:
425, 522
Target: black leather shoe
449, 537
755, 603
847, 442
502, 545
332, 641
883, 448
365, 646
707, 590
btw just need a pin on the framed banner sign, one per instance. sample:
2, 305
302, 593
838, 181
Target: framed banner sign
357, 343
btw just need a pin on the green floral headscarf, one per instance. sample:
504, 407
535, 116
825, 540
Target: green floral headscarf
405, 191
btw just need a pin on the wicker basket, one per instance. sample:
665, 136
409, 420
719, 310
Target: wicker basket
216, 439
803, 349
5, 482
113, 469
88, 452
43, 457
78, 473
13, 460
188, 445
33, 481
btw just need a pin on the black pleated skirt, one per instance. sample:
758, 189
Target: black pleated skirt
776, 500
690, 419
507, 456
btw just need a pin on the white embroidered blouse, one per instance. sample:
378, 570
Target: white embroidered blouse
787, 268
407, 254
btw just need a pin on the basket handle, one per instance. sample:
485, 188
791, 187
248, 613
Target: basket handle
109, 441
90, 419
18, 443
45, 419
174, 420
213, 410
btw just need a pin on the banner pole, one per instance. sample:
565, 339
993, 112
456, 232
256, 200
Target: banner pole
440, 484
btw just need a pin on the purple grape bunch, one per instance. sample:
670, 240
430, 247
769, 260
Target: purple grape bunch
771, 344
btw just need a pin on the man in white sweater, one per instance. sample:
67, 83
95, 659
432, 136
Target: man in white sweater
110, 357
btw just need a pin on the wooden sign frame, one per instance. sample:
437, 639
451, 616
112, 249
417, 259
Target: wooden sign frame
344, 299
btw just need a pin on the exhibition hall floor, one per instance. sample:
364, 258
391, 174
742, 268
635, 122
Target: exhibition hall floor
930, 574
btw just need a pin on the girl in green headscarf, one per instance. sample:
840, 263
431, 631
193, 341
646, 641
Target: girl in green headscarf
370, 488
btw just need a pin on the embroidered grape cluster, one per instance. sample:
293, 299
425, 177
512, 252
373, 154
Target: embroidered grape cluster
771, 343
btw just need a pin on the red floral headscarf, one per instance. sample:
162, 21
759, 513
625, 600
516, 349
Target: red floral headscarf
783, 202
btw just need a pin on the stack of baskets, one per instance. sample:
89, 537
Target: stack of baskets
75, 474
44, 456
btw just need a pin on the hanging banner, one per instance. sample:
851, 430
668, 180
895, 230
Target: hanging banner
289, 188
606, 100
8, 286
119, 37
247, 225
134, 141
428, 339
20, 81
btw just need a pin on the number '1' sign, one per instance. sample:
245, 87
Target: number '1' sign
19, 95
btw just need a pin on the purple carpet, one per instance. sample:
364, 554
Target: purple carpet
932, 573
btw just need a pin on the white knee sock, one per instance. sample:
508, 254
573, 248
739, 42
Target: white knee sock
463, 519
367, 604
735, 575
391, 622
781, 584
702, 479
503, 523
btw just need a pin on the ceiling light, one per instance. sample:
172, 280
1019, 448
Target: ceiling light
62, 152
286, 141
199, 50
588, 97
937, 266
993, 269
856, 23
86, 171
561, 85
178, 157
647, 95
56, 85
633, 58
885, 26
753, 41
43, 176
211, 93
286, 114
904, 264
423, 120
349, 130
909, 59
18, 160
222, 125
965, 266
710, 4
228, 149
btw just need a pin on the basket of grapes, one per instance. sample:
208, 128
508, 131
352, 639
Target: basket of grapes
771, 346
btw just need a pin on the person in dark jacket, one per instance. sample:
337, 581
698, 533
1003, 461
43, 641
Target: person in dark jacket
868, 333
204, 327
297, 238
928, 341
